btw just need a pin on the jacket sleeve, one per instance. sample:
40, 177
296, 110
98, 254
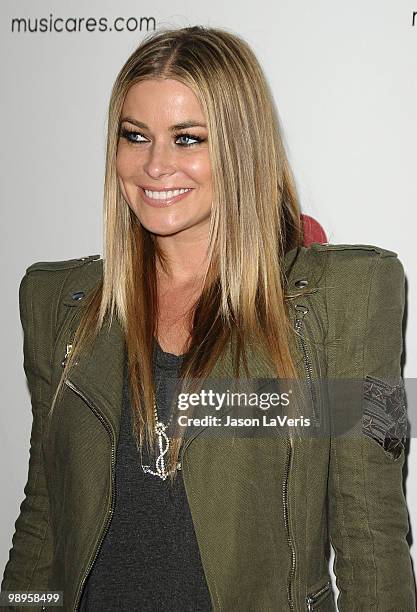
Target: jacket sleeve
29, 560
368, 519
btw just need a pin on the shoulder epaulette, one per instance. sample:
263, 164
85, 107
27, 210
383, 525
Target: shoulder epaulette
62, 265
343, 247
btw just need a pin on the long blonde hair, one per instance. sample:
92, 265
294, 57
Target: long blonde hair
255, 220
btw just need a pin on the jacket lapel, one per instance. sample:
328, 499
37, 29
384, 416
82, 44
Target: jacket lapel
98, 375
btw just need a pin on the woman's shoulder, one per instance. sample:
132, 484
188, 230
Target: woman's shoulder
68, 280
356, 259
318, 253
340, 251
348, 249
343, 267
66, 264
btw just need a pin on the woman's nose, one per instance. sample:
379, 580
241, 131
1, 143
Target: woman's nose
160, 159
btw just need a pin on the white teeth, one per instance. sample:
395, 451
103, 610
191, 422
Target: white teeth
164, 195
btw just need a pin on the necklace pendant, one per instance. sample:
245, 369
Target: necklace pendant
163, 444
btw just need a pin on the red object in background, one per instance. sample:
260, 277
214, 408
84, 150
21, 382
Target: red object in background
313, 231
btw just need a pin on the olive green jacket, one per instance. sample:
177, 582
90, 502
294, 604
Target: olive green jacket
265, 510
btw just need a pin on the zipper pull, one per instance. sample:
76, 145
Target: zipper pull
317, 597
67, 352
301, 311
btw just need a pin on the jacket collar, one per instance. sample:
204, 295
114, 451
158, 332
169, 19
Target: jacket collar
98, 375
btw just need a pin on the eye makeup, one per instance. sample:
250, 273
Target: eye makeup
130, 135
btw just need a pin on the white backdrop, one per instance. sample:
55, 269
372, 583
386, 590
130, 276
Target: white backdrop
344, 80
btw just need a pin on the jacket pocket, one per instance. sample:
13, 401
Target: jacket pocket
321, 598
384, 418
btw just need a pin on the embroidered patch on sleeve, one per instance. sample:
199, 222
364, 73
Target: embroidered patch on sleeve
384, 416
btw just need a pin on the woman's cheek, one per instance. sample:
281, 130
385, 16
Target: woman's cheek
122, 187
200, 168
121, 162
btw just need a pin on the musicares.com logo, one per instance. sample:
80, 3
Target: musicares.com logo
51, 24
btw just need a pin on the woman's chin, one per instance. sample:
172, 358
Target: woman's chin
163, 229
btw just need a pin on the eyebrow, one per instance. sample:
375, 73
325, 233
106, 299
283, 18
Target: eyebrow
179, 126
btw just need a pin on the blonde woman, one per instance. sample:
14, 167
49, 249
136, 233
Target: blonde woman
204, 275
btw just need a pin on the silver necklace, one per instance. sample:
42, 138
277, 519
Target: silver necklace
163, 447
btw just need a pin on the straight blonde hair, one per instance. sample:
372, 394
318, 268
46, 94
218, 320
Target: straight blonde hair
255, 220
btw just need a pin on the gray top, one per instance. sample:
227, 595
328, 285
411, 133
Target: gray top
149, 559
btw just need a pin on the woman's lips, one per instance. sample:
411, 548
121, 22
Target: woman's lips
163, 203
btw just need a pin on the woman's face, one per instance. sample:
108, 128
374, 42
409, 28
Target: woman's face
156, 155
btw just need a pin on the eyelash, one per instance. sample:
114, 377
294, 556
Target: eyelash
125, 133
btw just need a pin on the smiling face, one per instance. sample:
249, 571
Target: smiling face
157, 158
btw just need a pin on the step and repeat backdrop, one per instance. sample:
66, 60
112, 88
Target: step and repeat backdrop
344, 81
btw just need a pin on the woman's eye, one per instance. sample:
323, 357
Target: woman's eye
130, 135
197, 139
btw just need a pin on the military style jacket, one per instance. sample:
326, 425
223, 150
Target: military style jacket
264, 514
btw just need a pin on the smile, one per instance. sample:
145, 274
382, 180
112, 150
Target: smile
160, 199
164, 195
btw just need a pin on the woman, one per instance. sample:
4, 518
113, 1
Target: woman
208, 280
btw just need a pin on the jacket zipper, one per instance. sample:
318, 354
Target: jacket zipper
299, 328
287, 526
313, 598
110, 512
